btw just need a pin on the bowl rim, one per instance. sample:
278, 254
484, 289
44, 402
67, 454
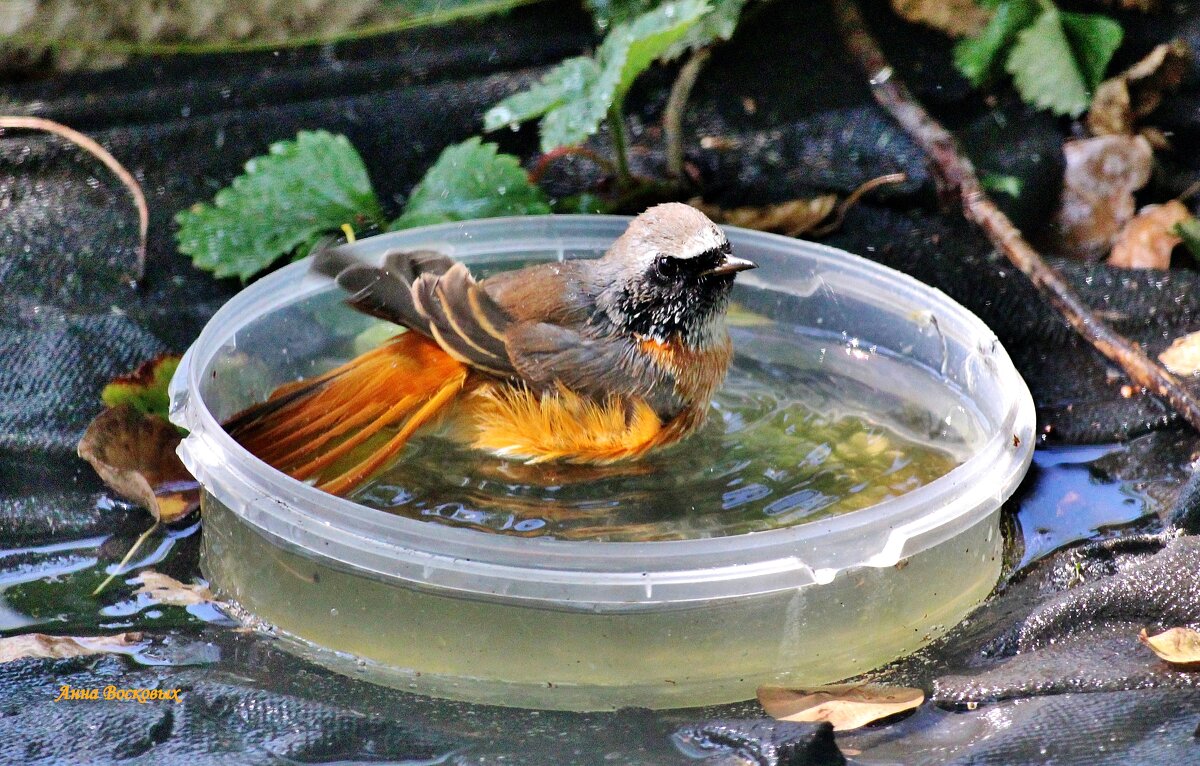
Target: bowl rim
298, 514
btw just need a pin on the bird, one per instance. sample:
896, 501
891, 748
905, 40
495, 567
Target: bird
589, 361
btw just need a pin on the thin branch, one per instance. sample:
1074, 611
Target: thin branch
616, 129
554, 155
957, 177
681, 90
99, 152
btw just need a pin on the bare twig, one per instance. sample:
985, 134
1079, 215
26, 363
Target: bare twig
99, 152
554, 155
681, 90
957, 177
839, 214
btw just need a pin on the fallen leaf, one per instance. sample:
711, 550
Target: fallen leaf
1120, 102
169, 591
846, 706
1183, 356
1178, 646
59, 647
1146, 242
957, 18
793, 218
145, 388
1101, 176
134, 454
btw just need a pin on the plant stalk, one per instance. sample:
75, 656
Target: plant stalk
616, 126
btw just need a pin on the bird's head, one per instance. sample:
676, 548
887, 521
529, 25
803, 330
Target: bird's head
670, 274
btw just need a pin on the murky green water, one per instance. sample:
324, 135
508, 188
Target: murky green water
792, 437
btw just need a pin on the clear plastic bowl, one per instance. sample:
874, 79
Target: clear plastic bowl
593, 625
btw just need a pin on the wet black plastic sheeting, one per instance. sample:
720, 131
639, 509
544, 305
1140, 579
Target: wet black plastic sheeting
802, 123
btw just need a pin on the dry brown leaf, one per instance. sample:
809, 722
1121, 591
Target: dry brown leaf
957, 18
846, 706
135, 455
793, 218
1101, 176
1146, 242
1120, 102
1178, 646
1183, 356
59, 647
169, 591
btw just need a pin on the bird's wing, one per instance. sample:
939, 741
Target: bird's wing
547, 354
432, 294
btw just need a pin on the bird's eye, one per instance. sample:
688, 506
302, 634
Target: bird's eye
666, 267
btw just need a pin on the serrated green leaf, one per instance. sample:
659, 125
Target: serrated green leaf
608, 13
718, 24
574, 98
979, 57
568, 81
144, 389
1094, 39
471, 180
1047, 70
1189, 232
631, 48
286, 198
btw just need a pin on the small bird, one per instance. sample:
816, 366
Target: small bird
585, 361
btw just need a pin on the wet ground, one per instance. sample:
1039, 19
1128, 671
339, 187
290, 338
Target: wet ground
1007, 688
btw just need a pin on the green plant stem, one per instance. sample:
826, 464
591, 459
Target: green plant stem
435, 18
616, 126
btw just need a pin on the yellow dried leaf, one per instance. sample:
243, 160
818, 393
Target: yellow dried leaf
166, 590
1101, 176
1178, 646
1183, 356
134, 454
1146, 242
1121, 101
59, 647
957, 18
793, 218
846, 706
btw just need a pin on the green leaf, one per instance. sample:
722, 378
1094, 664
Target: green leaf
1094, 39
286, 198
979, 57
145, 389
608, 13
567, 82
1189, 232
1001, 184
1056, 69
718, 24
575, 97
471, 180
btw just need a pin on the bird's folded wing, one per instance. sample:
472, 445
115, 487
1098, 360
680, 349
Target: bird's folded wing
549, 355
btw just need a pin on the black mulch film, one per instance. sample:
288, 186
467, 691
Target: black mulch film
1048, 671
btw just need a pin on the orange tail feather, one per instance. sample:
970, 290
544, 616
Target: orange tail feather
309, 428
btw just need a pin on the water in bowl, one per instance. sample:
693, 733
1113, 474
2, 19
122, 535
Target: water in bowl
807, 425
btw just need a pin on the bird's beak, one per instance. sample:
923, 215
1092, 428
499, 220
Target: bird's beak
730, 265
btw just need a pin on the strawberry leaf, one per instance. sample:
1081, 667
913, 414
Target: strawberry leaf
575, 97
1060, 58
289, 197
471, 180
979, 57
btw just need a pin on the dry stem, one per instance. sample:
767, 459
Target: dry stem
957, 176
99, 152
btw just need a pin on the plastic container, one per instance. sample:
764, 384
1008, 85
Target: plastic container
592, 625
